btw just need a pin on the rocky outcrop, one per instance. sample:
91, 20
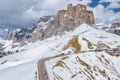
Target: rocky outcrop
115, 25
78, 14
64, 20
115, 28
9, 36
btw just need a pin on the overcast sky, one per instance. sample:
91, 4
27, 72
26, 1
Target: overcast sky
23, 13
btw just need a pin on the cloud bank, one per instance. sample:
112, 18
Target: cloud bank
24, 13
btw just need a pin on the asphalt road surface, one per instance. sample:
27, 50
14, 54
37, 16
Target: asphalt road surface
42, 73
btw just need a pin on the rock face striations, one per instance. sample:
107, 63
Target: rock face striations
64, 20
79, 14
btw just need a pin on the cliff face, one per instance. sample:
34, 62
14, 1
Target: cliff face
78, 14
64, 20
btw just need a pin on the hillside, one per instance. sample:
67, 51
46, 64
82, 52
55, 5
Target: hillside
84, 66
26, 61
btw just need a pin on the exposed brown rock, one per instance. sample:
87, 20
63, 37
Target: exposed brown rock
64, 20
91, 17
115, 25
78, 13
61, 14
102, 46
70, 10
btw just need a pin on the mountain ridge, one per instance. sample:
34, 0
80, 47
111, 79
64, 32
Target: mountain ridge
65, 46
26, 61
64, 20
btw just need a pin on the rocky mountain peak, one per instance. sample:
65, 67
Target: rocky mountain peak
78, 13
64, 20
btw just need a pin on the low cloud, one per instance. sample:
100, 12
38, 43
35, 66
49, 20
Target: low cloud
104, 16
102, 1
113, 5
11, 11
24, 13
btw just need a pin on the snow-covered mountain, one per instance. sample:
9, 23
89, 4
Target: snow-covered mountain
115, 28
5, 29
21, 34
67, 46
11, 38
84, 66
23, 65
48, 26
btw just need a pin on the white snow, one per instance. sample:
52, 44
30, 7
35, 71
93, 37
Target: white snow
71, 66
22, 65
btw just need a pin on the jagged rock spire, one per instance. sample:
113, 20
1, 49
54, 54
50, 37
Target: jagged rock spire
64, 20
78, 12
